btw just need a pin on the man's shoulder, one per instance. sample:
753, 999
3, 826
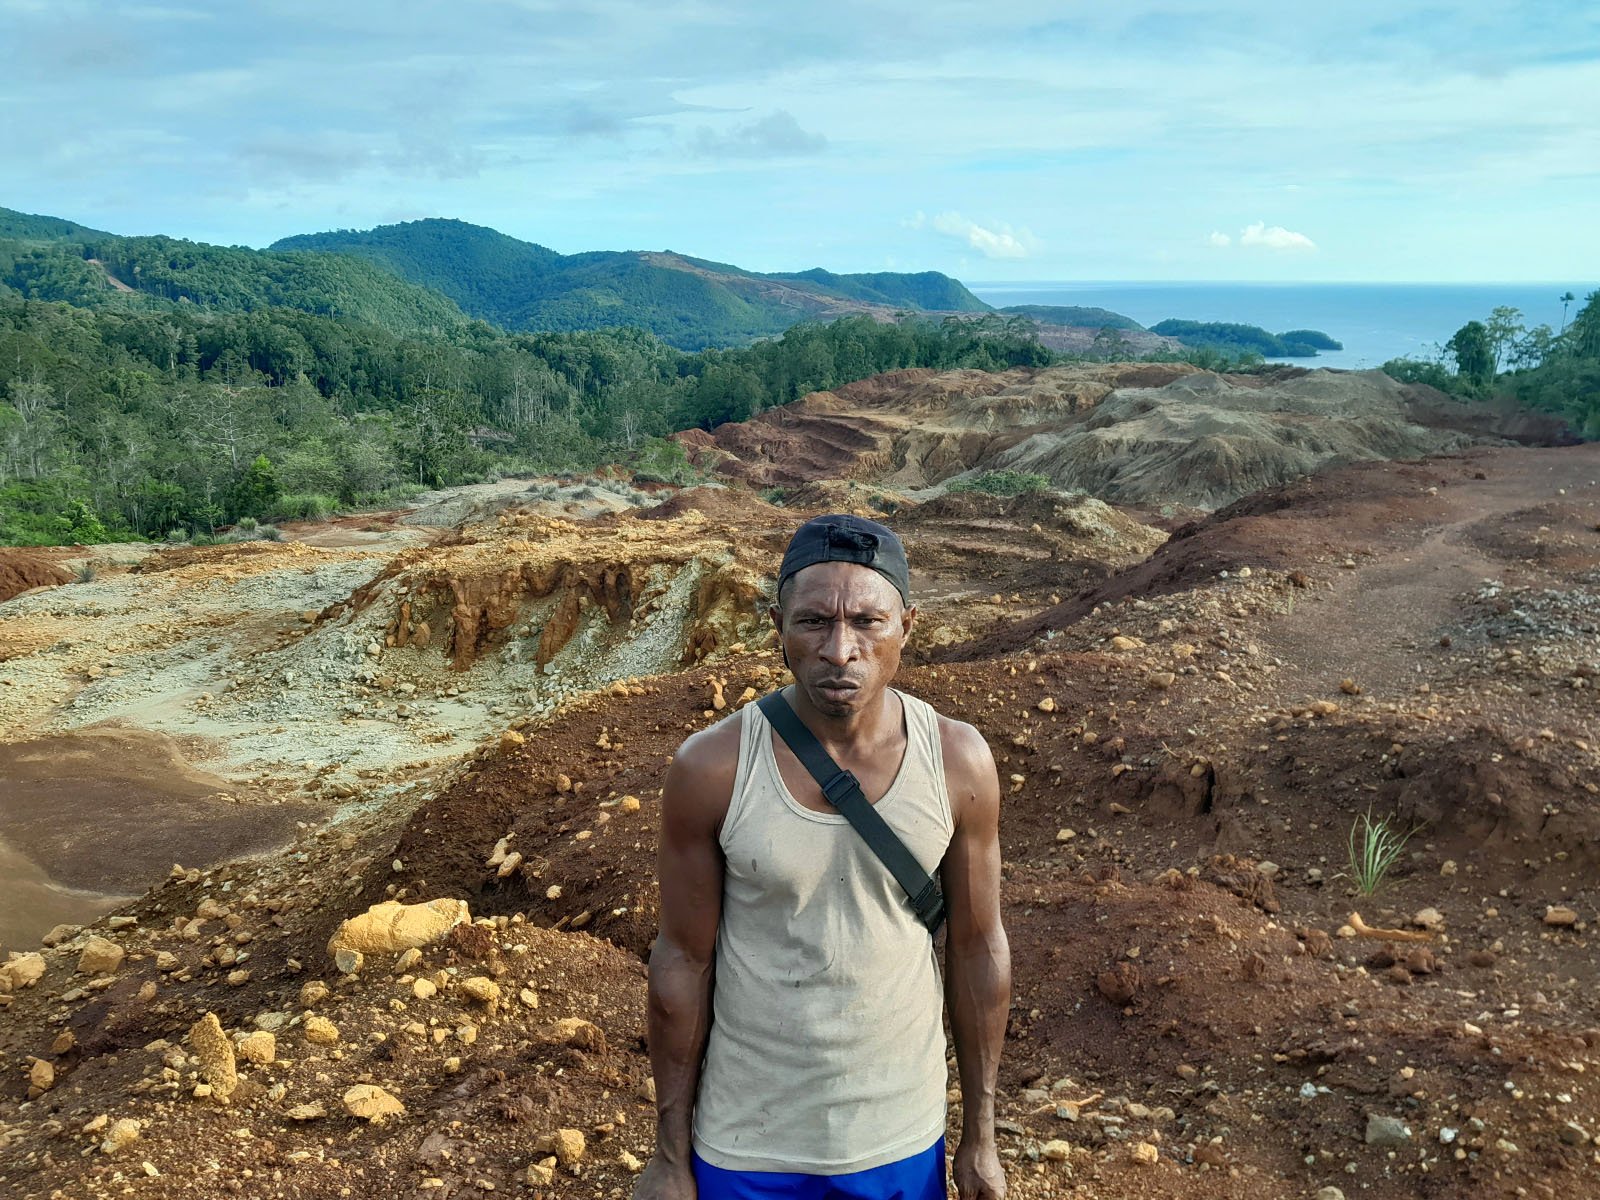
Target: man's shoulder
711, 756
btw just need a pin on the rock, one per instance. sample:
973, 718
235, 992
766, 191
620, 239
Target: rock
22, 971
259, 1047
1145, 1155
509, 867
1268, 868
238, 978
312, 993
65, 1040
542, 1174
1430, 919
567, 1145
630, 1162
1329, 1193
1350, 687
370, 1102
1560, 915
1123, 644
166, 960
348, 961
579, 1034
1056, 1150
628, 804
1120, 984
1448, 867
215, 1052
100, 956
391, 927
407, 960
1574, 1134
59, 934
1047, 705
1161, 680
320, 1031
121, 1135
1387, 1131
307, 1112
1066, 835
424, 989
510, 740
41, 1078
482, 989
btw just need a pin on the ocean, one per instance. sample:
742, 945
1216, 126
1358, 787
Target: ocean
1375, 321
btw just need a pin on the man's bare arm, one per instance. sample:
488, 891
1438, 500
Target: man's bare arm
689, 866
977, 956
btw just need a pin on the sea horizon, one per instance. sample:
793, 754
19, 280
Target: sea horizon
1374, 321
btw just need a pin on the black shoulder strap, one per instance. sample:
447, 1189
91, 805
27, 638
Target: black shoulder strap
844, 793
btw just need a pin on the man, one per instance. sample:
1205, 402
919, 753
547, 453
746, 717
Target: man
796, 1030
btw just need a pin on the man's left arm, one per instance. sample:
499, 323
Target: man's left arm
977, 957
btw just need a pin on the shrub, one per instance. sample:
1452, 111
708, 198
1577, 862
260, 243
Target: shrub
177, 536
246, 525
661, 460
307, 506
86, 573
1002, 483
269, 533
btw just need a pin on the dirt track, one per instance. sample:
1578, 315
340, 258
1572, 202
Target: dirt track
1174, 836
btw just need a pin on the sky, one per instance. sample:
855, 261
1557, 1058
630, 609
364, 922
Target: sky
1235, 140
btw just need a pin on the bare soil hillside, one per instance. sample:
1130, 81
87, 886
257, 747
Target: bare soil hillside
1186, 728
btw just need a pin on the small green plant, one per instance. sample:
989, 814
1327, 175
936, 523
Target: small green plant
1375, 847
247, 525
270, 533
1002, 483
86, 573
775, 495
177, 536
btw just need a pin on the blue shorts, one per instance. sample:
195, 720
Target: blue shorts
920, 1177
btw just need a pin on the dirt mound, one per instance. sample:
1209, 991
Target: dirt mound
21, 571
1205, 440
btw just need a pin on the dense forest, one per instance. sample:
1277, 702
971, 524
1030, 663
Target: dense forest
1247, 339
688, 302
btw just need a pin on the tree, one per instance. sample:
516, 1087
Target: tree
1566, 298
257, 489
1503, 329
1473, 352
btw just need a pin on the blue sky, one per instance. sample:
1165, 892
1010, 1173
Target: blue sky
1385, 140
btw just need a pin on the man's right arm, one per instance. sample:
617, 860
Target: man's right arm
689, 867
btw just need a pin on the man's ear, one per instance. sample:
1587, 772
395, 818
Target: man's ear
776, 614
908, 618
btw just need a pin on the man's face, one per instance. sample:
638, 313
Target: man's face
842, 626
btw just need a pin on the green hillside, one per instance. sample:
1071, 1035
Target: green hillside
30, 227
46, 259
1072, 314
690, 303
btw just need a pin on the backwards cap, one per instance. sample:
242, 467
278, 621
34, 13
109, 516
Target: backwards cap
839, 537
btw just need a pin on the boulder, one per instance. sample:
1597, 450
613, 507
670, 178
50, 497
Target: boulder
21, 971
259, 1047
215, 1052
100, 956
370, 1102
391, 927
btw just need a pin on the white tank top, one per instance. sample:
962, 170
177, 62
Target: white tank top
827, 1051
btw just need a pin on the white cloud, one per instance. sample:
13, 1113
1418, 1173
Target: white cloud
1274, 237
998, 241
1219, 239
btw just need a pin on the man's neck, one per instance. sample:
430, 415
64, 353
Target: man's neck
878, 720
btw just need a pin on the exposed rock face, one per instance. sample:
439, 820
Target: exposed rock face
215, 1052
1159, 433
391, 927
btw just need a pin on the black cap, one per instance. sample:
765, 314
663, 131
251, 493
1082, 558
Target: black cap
839, 537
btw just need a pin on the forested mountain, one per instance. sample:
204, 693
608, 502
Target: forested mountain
1072, 314
31, 227
688, 302
66, 262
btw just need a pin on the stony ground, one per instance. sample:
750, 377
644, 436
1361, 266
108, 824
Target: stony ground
1185, 730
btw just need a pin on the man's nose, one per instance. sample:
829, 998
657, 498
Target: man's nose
840, 644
